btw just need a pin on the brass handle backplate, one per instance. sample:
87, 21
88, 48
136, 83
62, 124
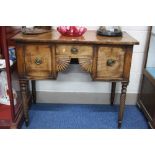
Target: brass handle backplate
38, 61
74, 50
110, 62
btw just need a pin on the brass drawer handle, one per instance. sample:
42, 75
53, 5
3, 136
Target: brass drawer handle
74, 50
38, 61
110, 62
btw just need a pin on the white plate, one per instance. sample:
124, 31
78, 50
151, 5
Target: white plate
3, 64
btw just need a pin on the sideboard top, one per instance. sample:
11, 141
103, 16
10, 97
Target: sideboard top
88, 38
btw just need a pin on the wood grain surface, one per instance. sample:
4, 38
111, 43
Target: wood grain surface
89, 37
110, 53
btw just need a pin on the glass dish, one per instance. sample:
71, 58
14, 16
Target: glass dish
71, 31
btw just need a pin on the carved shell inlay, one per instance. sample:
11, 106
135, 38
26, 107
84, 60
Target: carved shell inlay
86, 63
62, 62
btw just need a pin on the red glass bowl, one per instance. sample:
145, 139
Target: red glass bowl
71, 31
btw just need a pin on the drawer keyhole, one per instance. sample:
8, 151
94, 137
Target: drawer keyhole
74, 50
110, 62
38, 61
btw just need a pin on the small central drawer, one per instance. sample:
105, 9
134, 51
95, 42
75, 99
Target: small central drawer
74, 51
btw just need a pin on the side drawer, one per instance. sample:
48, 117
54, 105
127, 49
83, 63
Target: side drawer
35, 61
110, 62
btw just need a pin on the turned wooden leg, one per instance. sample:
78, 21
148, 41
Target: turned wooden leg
122, 103
24, 94
113, 87
33, 83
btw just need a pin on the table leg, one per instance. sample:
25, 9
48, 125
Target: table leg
33, 84
24, 94
122, 103
113, 87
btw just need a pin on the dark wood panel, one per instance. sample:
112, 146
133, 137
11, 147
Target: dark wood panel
14, 113
10, 32
147, 100
148, 75
147, 93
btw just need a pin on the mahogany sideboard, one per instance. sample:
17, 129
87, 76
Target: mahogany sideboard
43, 56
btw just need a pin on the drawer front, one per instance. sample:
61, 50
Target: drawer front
74, 51
38, 61
110, 62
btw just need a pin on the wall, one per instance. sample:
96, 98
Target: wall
151, 55
75, 86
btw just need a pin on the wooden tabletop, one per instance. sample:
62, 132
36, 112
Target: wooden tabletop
88, 38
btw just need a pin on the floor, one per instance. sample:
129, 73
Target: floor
83, 116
